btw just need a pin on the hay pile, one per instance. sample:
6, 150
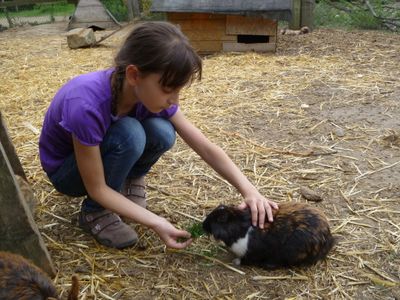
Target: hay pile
323, 112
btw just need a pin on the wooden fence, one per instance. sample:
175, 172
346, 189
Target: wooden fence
16, 3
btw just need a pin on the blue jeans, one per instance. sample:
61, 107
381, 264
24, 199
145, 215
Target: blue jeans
129, 149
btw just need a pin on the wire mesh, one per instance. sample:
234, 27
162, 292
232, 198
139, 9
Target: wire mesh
33, 13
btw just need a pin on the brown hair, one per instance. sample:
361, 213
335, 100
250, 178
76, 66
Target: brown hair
157, 47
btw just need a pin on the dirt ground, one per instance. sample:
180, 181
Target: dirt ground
322, 112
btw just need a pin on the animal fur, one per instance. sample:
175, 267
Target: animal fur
298, 236
22, 280
302, 30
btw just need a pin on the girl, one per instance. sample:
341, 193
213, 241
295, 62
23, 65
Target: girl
104, 131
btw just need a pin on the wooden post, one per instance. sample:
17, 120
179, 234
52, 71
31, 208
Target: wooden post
18, 231
296, 15
52, 18
10, 150
133, 9
10, 24
307, 13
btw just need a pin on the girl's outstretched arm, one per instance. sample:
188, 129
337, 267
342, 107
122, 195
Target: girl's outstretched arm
222, 164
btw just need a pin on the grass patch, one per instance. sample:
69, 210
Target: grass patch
196, 230
326, 15
117, 8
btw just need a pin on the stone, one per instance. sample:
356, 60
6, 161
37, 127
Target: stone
80, 37
310, 195
339, 132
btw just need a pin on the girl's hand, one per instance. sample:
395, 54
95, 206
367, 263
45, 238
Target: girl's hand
259, 207
169, 234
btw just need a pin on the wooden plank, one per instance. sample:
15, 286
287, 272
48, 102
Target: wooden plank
234, 6
208, 35
250, 25
194, 16
199, 29
240, 47
207, 46
18, 231
296, 15
199, 24
274, 38
196, 25
5, 140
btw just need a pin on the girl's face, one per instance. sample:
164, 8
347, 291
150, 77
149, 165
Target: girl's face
154, 97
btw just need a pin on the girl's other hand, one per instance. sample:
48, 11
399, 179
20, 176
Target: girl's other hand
259, 207
170, 235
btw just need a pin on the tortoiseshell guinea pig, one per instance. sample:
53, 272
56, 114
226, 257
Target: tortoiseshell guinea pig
298, 236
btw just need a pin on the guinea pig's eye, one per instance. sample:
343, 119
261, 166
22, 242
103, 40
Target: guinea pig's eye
223, 218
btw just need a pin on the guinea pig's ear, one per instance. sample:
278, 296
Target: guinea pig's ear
221, 207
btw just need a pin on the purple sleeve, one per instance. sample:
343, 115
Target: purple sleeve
169, 112
84, 122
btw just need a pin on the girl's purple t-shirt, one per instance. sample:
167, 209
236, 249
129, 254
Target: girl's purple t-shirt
82, 107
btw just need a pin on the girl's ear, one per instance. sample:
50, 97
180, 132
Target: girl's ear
132, 74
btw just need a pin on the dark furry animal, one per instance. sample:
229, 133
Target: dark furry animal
20, 279
298, 236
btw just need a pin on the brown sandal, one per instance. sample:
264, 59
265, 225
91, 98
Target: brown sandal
108, 229
135, 190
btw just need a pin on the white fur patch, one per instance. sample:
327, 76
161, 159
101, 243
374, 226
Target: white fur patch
239, 248
236, 261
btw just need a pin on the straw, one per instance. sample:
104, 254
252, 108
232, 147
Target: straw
322, 112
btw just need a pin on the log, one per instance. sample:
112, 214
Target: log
18, 231
10, 150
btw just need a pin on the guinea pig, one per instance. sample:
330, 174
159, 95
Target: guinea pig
302, 30
298, 236
22, 280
